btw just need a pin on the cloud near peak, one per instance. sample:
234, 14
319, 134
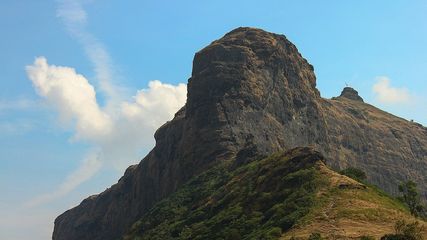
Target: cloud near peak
72, 96
387, 94
119, 136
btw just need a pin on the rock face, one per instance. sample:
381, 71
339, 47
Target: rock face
351, 94
251, 94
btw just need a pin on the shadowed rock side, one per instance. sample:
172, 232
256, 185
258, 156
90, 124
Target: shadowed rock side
251, 94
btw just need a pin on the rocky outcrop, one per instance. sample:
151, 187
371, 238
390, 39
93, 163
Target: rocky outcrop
351, 94
251, 94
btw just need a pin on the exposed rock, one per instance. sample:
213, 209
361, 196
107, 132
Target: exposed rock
351, 94
251, 94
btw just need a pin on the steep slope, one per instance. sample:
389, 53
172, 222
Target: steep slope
348, 210
251, 94
291, 192
388, 148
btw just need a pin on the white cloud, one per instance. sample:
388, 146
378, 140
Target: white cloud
387, 94
120, 132
72, 13
119, 135
138, 119
73, 97
167, 97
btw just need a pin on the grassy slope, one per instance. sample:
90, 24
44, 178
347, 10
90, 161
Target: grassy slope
287, 194
347, 209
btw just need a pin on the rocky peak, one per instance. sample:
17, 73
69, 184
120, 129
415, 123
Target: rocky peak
351, 93
246, 63
246, 78
251, 94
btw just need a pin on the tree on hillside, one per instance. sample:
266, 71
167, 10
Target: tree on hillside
406, 231
411, 197
315, 236
355, 173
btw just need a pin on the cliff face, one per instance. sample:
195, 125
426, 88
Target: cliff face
388, 148
251, 94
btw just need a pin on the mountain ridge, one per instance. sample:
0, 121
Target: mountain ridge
288, 194
251, 94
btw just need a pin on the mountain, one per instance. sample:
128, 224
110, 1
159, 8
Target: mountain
292, 192
252, 94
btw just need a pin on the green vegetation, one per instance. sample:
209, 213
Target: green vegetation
315, 236
355, 202
411, 197
406, 231
354, 173
264, 199
257, 201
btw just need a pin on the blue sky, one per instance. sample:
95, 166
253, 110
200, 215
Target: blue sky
50, 156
